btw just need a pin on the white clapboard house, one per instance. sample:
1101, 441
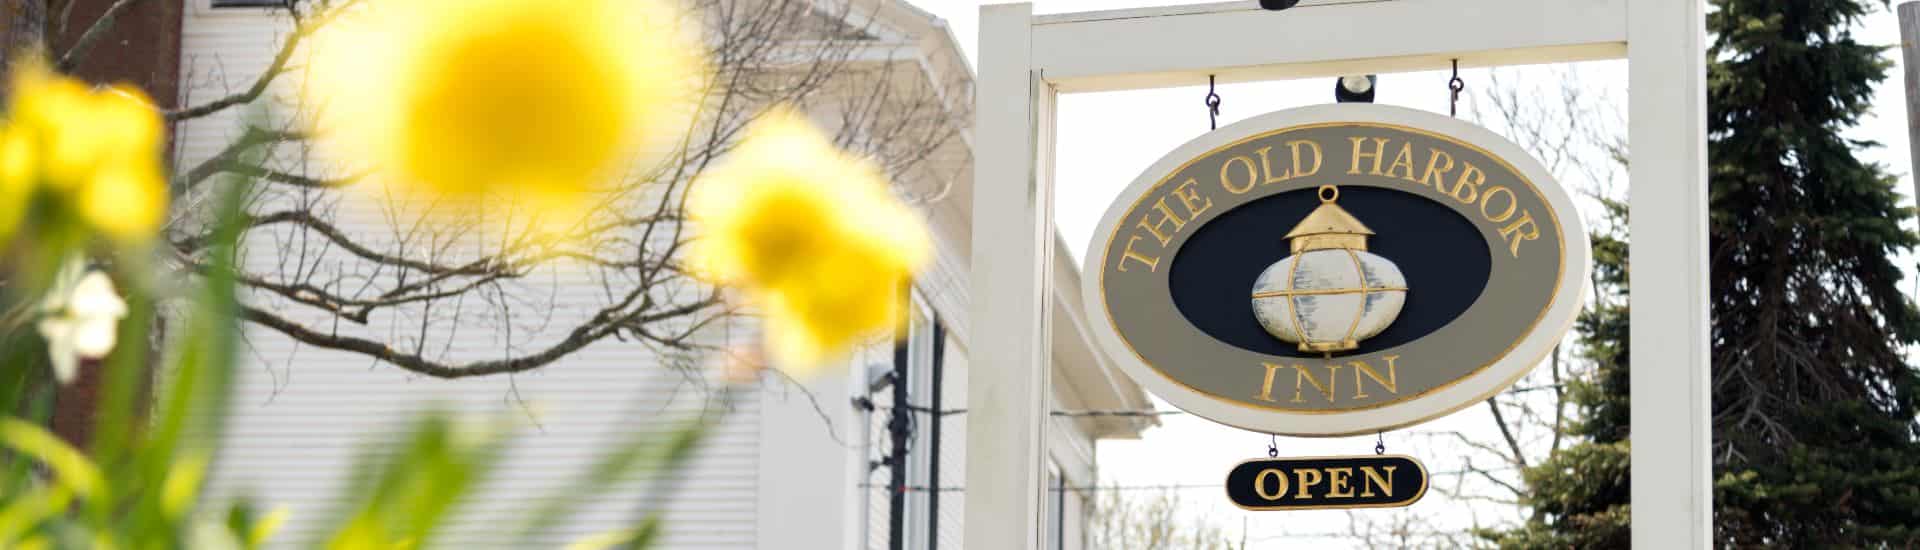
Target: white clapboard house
792, 468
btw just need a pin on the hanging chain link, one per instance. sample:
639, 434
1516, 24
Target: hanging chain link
1273, 446
1379, 443
1213, 106
1456, 85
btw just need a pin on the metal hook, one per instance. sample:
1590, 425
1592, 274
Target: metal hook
1379, 443
1455, 86
1273, 446
1213, 106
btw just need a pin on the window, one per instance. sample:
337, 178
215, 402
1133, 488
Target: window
921, 507
920, 451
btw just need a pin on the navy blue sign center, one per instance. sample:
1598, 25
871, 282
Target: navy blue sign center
1441, 254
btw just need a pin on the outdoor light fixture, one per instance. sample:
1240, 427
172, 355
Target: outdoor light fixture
879, 376
1354, 89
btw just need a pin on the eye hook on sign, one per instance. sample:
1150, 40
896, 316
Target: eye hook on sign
1379, 443
1213, 106
1273, 446
1455, 85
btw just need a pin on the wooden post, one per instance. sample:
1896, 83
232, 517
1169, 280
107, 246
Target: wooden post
1007, 381
1910, 61
1672, 431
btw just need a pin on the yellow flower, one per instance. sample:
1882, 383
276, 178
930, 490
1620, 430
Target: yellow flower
97, 148
538, 102
16, 185
811, 235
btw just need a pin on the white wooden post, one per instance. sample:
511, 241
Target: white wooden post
1025, 61
1667, 136
1007, 405
1910, 62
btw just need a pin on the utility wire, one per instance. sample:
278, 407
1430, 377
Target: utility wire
863, 403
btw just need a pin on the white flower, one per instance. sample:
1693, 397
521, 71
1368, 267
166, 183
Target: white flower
82, 320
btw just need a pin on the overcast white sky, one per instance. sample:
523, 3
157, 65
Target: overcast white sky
1106, 139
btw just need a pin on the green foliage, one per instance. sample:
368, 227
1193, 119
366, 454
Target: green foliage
1814, 406
138, 484
1579, 497
1580, 494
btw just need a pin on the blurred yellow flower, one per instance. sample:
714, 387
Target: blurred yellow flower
16, 185
813, 236
537, 102
97, 149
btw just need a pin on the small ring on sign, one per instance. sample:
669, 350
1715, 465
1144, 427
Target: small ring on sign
1329, 193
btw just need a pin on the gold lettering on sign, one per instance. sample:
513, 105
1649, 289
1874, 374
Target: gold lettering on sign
1467, 188
1513, 203
1190, 197
1300, 480
1521, 230
1402, 163
1252, 177
1298, 171
1153, 263
1436, 172
1266, 387
1360, 152
1373, 478
1302, 373
1337, 483
1166, 216
1260, 483
1266, 168
1361, 368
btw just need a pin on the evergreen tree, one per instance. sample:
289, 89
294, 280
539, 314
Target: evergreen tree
1814, 406
1813, 402
1579, 495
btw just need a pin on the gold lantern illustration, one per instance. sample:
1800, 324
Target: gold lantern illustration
1331, 293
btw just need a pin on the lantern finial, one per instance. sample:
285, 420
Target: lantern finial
1329, 227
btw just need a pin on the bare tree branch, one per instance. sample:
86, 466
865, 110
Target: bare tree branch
325, 245
78, 52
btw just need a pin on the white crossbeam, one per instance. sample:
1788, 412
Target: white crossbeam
1026, 61
1181, 45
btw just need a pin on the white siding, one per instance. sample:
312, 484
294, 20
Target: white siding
304, 413
784, 472
953, 451
807, 480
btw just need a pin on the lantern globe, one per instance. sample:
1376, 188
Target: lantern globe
1330, 299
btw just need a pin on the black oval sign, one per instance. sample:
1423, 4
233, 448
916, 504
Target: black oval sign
1327, 482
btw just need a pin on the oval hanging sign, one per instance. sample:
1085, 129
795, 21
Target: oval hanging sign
1336, 270
1312, 483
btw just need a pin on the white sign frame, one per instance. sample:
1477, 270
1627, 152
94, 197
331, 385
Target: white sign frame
1470, 390
1026, 61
